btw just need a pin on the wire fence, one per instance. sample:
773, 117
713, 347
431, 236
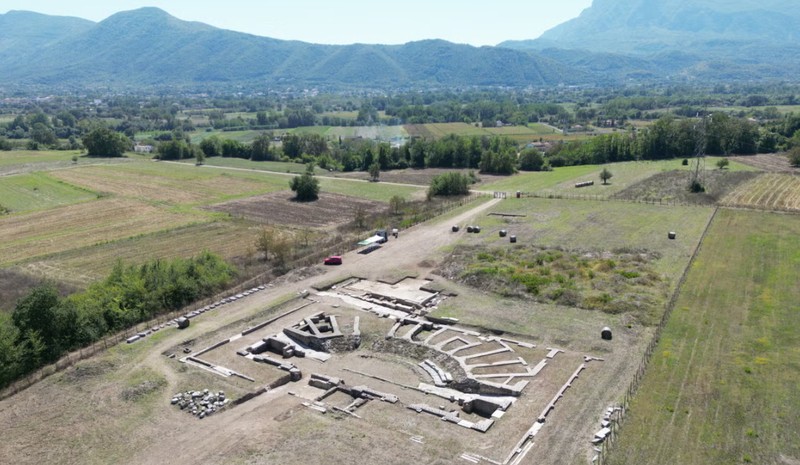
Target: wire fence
347, 242
604, 198
633, 387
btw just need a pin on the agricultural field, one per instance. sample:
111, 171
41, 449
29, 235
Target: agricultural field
56, 230
81, 266
721, 386
379, 191
27, 161
274, 166
562, 180
772, 162
39, 191
329, 211
172, 183
769, 191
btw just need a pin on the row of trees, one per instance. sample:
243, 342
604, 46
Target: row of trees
668, 138
43, 326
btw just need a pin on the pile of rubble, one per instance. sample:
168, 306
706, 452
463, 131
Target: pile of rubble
200, 403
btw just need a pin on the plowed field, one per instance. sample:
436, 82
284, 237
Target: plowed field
279, 208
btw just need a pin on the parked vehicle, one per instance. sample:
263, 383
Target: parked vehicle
333, 260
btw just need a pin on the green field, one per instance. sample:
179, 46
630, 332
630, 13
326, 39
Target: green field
379, 191
273, 166
23, 157
38, 191
722, 384
562, 180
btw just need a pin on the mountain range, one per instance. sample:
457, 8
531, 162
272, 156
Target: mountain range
612, 42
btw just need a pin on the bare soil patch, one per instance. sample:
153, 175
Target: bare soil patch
672, 187
280, 208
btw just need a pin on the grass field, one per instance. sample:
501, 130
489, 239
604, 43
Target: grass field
370, 190
172, 183
22, 157
562, 180
81, 266
39, 191
74, 226
722, 385
771, 191
601, 226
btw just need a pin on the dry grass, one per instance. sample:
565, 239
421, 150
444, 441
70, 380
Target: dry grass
672, 187
52, 231
174, 184
770, 191
81, 266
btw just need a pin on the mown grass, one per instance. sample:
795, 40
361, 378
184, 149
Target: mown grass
22, 157
721, 387
562, 180
39, 191
379, 191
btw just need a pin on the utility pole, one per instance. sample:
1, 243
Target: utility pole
698, 168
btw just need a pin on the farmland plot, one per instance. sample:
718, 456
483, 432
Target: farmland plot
52, 231
81, 266
39, 191
771, 191
175, 184
721, 386
279, 208
768, 162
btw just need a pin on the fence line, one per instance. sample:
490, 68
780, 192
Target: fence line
633, 387
348, 243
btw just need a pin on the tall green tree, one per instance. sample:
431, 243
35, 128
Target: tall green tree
305, 186
260, 148
103, 142
36, 317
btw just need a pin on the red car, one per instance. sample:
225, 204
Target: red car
333, 260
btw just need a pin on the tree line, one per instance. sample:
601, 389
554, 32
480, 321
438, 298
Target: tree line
43, 326
669, 137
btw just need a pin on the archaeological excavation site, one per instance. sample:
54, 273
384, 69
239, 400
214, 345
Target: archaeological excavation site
371, 355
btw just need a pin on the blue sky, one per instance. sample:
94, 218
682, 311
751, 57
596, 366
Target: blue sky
484, 22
